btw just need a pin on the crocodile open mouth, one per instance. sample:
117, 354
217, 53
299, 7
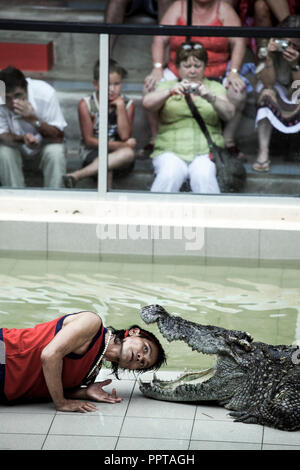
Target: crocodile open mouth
158, 386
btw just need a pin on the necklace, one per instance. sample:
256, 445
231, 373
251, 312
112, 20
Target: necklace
95, 370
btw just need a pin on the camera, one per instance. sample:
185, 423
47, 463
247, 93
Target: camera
282, 44
192, 88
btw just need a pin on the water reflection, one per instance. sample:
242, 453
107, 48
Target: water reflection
261, 301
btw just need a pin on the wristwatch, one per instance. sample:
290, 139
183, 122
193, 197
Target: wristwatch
296, 68
157, 65
37, 124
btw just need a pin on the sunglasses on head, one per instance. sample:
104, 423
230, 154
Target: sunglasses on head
189, 47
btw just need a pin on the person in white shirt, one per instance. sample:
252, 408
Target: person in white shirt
31, 126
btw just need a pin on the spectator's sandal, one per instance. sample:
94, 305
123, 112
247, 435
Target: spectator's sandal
69, 181
261, 166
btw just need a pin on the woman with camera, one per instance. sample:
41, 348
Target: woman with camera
181, 150
279, 92
225, 57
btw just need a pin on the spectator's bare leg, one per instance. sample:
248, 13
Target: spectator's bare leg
85, 172
118, 159
263, 19
264, 129
115, 14
239, 101
262, 14
279, 8
109, 179
162, 6
263, 10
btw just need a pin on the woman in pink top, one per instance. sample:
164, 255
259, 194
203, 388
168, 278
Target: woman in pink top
220, 51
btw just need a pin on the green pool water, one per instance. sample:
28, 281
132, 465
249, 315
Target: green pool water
265, 301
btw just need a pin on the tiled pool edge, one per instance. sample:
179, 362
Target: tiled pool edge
219, 243
249, 229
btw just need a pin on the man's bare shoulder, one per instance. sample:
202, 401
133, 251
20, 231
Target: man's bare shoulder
86, 317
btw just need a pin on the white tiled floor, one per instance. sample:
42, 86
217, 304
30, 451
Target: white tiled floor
137, 423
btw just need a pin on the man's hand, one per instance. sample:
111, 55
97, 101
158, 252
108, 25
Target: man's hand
94, 392
76, 405
24, 109
30, 140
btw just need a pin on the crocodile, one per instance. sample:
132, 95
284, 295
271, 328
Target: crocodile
259, 383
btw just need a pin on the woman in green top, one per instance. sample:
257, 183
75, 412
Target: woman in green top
181, 151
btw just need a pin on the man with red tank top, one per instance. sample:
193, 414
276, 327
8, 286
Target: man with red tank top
60, 360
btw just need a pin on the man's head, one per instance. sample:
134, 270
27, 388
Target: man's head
15, 85
140, 350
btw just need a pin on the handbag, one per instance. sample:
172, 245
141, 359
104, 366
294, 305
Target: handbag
231, 173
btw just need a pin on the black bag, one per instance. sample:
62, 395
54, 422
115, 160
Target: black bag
231, 173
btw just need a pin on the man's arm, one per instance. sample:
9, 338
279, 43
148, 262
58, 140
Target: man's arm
9, 138
24, 109
73, 336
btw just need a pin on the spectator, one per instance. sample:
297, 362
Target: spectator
120, 119
264, 14
31, 126
116, 11
220, 51
181, 150
278, 101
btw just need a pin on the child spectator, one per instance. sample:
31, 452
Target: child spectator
120, 119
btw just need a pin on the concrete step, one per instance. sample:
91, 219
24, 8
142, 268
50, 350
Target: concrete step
75, 54
283, 178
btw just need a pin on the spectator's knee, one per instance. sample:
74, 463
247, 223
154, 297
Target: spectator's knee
54, 153
261, 9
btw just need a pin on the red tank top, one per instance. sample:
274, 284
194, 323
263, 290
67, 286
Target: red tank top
217, 48
23, 376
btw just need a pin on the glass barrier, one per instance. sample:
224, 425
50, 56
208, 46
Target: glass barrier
46, 79
248, 101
